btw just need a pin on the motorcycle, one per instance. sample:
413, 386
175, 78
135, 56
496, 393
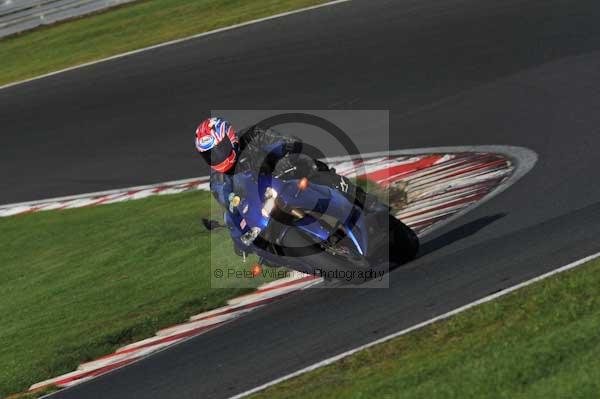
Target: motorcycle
315, 229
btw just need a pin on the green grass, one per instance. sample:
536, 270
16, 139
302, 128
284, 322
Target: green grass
77, 284
123, 29
540, 342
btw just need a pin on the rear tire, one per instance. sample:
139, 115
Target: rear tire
404, 242
398, 246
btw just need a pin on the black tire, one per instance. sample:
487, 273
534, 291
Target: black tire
404, 242
399, 245
297, 245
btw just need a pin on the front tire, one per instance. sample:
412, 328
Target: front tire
298, 246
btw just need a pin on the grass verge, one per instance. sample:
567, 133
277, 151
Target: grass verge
540, 342
78, 284
125, 28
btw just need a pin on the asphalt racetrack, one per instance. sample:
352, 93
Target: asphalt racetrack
451, 72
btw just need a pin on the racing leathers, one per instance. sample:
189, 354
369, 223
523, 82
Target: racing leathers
265, 151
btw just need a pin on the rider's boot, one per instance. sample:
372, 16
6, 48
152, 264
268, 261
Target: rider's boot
347, 188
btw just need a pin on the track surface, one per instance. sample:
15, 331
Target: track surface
451, 72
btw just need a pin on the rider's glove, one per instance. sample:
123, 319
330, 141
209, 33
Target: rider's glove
293, 147
294, 166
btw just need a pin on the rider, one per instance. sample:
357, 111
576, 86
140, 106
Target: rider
258, 147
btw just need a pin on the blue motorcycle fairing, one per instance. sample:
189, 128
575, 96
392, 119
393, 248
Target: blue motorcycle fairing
321, 199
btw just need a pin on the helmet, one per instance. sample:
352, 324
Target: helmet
216, 141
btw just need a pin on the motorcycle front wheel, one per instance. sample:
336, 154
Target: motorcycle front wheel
325, 260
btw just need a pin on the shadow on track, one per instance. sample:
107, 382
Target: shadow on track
458, 234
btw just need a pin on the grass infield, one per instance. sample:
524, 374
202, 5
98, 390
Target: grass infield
125, 28
540, 342
78, 284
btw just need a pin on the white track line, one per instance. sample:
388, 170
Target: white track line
183, 39
444, 316
525, 159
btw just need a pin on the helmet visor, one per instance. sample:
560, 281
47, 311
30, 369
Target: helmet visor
219, 153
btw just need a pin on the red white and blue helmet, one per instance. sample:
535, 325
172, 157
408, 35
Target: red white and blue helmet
215, 140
